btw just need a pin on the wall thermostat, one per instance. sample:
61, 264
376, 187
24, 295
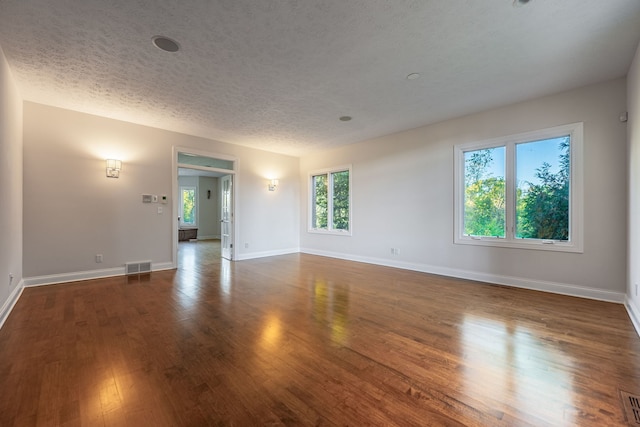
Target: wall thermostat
146, 198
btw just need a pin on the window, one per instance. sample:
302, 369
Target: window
522, 191
188, 206
330, 201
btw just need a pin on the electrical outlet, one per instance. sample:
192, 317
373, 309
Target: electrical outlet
99, 258
395, 251
246, 246
10, 278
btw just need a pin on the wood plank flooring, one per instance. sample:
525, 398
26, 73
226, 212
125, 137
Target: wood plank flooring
306, 340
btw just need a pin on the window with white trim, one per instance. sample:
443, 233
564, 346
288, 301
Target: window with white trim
330, 201
188, 208
522, 191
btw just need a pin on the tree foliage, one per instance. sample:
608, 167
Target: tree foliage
484, 206
320, 205
188, 206
542, 207
340, 200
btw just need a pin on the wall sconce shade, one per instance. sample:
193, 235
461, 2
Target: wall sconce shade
113, 168
273, 184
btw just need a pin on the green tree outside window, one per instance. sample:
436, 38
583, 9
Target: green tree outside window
188, 200
330, 200
542, 190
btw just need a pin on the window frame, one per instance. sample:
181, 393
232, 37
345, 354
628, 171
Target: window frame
195, 207
576, 190
330, 230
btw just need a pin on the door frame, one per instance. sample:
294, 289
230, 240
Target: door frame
226, 253
174, 191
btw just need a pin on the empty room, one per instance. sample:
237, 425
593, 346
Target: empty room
362, 213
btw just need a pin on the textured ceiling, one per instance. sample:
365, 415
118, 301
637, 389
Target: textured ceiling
277, 74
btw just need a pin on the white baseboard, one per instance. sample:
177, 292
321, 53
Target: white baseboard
53, 279
634, 313
516, 282
14, 296
253, 255
159, 266
558, 288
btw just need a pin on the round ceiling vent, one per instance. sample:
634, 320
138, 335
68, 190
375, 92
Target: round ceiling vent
165, 43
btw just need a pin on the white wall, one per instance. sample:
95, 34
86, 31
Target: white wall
633, 135
73, 212
190, 181
208, 208
265, 214
403, 198
10, 189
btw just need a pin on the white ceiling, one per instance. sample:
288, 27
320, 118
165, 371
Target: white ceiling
277, 74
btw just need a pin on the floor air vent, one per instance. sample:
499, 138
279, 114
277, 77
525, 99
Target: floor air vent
137, 267
631, 403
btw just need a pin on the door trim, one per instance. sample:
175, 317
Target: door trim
174, 191
226, 253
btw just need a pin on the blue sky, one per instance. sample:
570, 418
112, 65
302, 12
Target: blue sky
529, 157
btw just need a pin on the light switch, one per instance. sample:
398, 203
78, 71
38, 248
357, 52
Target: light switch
154, 198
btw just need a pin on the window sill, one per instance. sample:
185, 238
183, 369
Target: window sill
330, 232
537, 245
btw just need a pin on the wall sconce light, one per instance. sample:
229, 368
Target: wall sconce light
113, 168
273, 184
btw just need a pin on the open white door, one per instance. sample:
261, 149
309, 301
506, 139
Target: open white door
226, 221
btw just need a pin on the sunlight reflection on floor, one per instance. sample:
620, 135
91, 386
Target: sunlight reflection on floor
490, 345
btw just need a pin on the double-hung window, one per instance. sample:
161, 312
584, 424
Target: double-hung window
522, 191
330, 201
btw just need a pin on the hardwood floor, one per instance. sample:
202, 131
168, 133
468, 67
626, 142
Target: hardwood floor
306, 340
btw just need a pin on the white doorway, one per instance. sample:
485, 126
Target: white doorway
198, 163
